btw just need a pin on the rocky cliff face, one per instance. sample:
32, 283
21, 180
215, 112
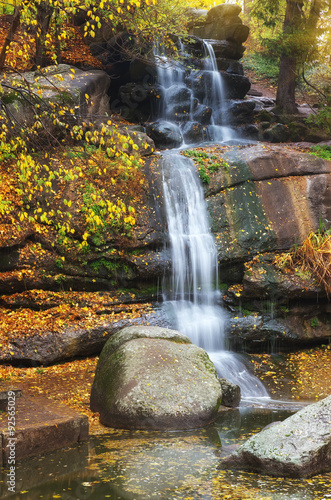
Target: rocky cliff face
262, 198
267, 198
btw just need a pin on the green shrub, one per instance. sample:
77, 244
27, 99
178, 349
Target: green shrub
263, 65
321, 152
322, 120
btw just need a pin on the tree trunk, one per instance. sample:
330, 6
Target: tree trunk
285, 99
10, 36
246, 8
293, 59
311, 26
44, 15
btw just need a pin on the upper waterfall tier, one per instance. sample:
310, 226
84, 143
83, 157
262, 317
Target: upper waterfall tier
193, 105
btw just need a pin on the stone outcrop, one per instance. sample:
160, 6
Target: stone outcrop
298, 328
42, 328
262, 198
221, 22
62, 85
300, 446
267, 198
276, 309
41, 426
154, 378
107, 265
66, 87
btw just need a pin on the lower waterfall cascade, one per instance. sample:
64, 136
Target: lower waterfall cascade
192, 297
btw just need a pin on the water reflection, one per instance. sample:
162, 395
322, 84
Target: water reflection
163, 465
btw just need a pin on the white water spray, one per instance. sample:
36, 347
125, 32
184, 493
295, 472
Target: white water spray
192, 296
217, 131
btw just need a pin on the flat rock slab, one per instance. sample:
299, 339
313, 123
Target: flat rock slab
41, 426
17, 393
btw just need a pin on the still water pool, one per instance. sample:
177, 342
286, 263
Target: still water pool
164, 465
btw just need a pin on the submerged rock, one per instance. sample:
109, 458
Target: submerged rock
154, 378
300, 446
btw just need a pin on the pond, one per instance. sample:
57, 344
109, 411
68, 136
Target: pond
165, 465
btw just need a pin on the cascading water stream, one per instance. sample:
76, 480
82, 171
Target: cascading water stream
215, 98
181, 103
191, 298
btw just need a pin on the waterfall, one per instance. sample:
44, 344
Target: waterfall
217, 131
191, 296
193, 99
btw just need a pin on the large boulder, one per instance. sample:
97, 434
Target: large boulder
57, 86
222, 22
223, 11
241, 111
154, 378
300, 446
227, 49
236, 86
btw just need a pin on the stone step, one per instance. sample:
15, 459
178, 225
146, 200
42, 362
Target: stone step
38, 425
4, 397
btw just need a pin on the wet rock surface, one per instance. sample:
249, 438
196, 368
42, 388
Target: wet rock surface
276, 309
231, 393
165, 134
300, 446
267, 198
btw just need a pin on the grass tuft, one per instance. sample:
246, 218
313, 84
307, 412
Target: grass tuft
313, 256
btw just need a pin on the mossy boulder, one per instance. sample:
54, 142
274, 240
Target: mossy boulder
276, 133
154, 378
